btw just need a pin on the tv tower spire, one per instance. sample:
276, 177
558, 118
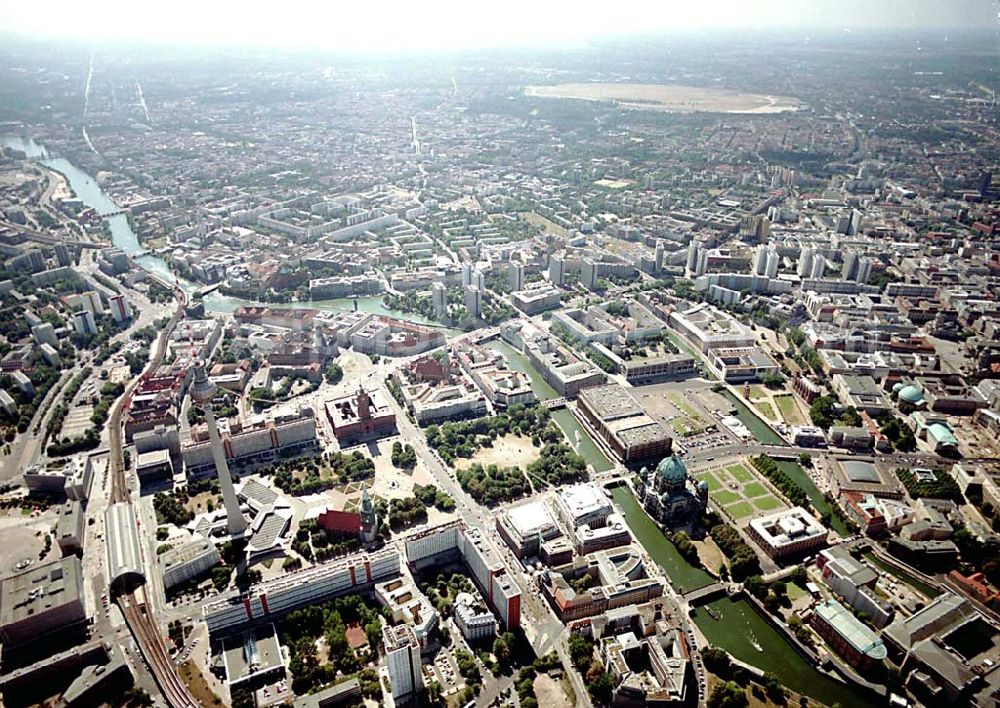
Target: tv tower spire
202, 392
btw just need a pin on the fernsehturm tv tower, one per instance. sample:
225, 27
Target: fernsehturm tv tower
202, 392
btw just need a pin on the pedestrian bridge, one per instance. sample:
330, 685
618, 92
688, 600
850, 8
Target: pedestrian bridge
554, 403
706, 594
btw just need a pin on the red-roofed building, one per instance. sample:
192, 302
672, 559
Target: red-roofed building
976, 586
865, 513
340, 521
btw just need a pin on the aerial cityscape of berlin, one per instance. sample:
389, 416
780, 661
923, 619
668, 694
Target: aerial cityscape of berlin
532, 355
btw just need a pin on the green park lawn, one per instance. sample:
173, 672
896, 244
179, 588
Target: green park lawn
766, 409
754, 489
740, 510
713, 483
740, 473
768, 503
789, 411
725, 497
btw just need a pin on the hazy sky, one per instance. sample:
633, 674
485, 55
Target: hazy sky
392, 25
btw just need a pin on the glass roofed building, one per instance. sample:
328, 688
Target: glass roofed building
848, 636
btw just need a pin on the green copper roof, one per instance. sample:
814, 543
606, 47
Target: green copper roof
942, 434
911, 394
672, 469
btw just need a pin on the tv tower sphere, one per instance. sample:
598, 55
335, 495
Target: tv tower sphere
203, 389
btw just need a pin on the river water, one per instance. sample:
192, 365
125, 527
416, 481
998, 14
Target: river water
578, 438
90, 193
739, 624
739, 629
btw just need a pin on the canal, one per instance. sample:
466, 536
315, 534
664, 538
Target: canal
739, 629
761, 430
683, 576
578, 438
916, 583
801, 478
742, 632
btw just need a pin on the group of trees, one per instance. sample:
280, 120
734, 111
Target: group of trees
403, 456
773, 379
491, 485
525, 682
320, 473
826, 410
305, 626
403, 513
313, 542
469, 669
170, 509
943, 486
901, 437
443, 589
101, 403
743, 561
334, 374
780, 479
773, 595
685, 546
600, 684
432, 496
977, 555
157, 293
731, 691
557, 464
464, 438
264, 397
55, 422
803, 354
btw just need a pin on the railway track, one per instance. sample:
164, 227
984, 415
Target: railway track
154, 651
132, 602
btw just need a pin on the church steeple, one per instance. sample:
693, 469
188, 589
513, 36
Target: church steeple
369, 517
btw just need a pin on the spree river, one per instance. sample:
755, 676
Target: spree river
88, 191
739, 629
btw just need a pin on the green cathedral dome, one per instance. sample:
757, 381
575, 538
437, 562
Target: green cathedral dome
672, 470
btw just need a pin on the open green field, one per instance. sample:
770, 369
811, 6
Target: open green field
740, 473
725, 497
539, 220
789, 411
765, 409
713, 483
670, 97
740, 510
768, 503
686, 425
754, 489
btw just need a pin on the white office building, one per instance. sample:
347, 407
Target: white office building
402, 659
